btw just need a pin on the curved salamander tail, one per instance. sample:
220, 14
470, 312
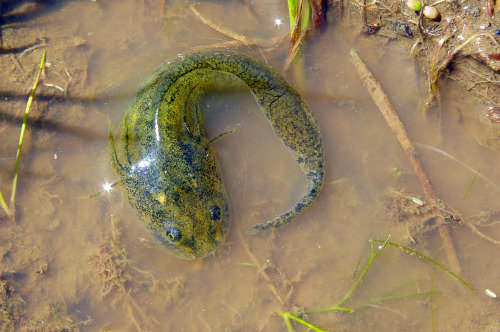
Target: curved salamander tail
315, 183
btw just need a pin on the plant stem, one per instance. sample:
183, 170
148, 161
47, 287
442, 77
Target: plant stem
348, 295
370, 261
469, 189
4, 205
21, 137
411, 251
286, 319
287, 316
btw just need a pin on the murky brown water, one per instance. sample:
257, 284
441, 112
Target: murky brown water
81, 263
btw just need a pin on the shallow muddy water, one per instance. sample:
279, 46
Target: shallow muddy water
74, 262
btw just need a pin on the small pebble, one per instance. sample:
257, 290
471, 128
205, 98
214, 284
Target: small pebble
431, 12
417, 201
490, 293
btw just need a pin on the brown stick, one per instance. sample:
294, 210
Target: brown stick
244, 39
265, 44
385, 107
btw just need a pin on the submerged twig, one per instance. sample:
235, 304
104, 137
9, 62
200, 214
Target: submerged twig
228, 32
163, 6
398, 129
242, 38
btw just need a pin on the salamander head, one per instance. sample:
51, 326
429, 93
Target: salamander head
187, 211
191, 237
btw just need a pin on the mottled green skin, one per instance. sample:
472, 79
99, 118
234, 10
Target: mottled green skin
171, 174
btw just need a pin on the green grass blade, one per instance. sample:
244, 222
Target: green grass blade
404, 296
23, 129
292, 12
333, 308
395, 297
426, 258
370, 261
303, 322
304, 17
306, 14
4, 205
400, 287
469, 189
373, 256
286, 319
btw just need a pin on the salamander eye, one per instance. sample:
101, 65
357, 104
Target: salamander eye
215, 212
173, 234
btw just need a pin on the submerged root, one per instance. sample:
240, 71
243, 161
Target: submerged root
280, 285
116, 280
489, 218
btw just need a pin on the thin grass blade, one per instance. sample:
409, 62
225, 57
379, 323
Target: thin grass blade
23, 129
4, 205
426, 258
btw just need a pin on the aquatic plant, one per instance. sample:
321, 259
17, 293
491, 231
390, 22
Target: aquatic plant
10, 209
381, 245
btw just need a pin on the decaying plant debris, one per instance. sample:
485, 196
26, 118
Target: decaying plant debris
462, 45
116, 276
